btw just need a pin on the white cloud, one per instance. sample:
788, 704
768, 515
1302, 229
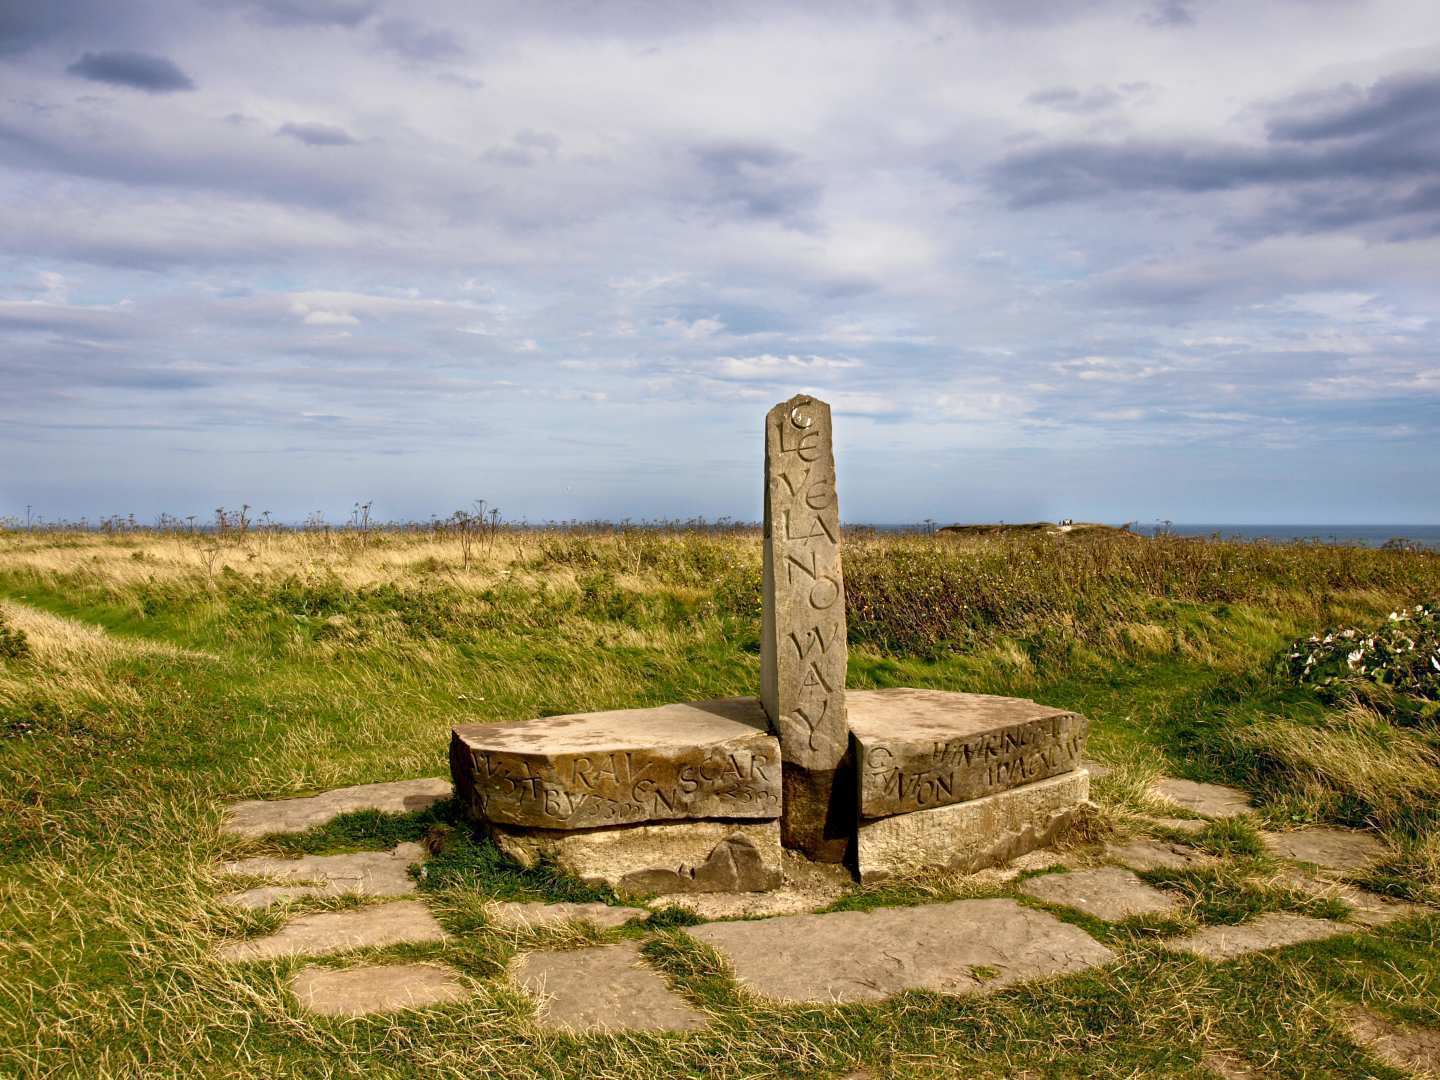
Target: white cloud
695, 330
769, 368
330, 318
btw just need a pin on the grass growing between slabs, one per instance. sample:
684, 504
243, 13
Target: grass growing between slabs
147, 679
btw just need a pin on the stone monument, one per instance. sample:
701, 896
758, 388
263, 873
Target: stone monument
802, 641
700, 797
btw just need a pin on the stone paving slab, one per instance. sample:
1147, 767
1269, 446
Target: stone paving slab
259, 817
373, 989
1367, 908
1107, 893
1272, 930
960, 947
1189, 826
1207, 800
1334, 849
1410, 1049
1147, 854
755, 905
603, 988
517, 915
335, 931
371, 873
1229, 1066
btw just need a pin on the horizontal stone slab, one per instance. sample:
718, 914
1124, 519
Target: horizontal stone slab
1411, 1050
1207, 800
1145, 853
604, 988
919, 749
370, 873
1272, 930
970, 835
1331, 848
961, 947
1107, 892
536, 914
704, 759
1366, 908
676, 857
376, 988
260, 817
401, 921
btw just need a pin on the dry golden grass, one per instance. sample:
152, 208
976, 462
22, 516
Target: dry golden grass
1355, 756
140, 558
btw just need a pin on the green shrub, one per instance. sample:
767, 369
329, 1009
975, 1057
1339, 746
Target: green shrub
1403, 655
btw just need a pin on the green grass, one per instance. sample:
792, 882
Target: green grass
152, 690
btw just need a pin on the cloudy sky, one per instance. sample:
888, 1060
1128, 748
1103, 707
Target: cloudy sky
1112, 259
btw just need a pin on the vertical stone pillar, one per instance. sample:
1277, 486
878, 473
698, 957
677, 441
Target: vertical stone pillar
802, 651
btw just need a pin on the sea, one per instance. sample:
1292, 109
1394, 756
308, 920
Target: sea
1352, 535
1427, 536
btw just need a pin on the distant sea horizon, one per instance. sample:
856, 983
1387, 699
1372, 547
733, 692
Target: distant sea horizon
1361, 535
1356, 535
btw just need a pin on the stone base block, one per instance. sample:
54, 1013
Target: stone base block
971, 835
920, 749
678, 857
699, 760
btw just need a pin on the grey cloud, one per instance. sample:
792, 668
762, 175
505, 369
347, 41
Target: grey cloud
1403, 101
244, 167
542, 140
350, 13
315, 134
52, 319
1407, 214
756, 179
25, 24
1169, 13
1078, 170
150, 378
62, 365
514, 156
1358, 157
1072, 100
525, 149
1008, 12
142, 71
416, 41
735, 158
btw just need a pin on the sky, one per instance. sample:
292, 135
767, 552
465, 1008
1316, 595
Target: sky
1116, 260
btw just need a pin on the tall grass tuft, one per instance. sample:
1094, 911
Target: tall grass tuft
1351, 765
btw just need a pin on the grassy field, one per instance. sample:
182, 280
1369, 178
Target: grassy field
148, 678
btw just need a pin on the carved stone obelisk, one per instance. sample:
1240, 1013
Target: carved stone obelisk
802, 650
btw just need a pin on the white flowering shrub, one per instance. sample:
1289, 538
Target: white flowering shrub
1403, 654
